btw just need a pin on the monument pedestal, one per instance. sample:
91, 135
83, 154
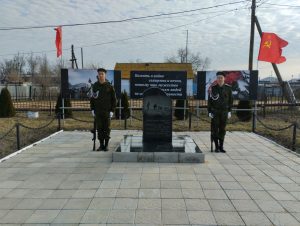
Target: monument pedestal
182, 149
157, 143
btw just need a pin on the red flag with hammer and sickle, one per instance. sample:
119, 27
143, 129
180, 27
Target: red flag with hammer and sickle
271, 48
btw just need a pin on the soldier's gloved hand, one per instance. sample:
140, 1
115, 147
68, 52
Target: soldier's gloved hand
111, 114
93, 113
229, 115
210, 115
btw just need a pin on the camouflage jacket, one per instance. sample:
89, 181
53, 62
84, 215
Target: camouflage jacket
220, 98
103, 98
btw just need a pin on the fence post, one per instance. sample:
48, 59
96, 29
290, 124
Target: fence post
190, 120
120, 111
130, 111
125, 123
18, 135
59, 121
50, 102
254, 118
264, 111
294, 136
63, 108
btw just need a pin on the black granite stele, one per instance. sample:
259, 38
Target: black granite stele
157, 117
157, 143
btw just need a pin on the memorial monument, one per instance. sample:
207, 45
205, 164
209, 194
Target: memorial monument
157, 143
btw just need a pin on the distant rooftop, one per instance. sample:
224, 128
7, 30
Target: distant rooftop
269, 79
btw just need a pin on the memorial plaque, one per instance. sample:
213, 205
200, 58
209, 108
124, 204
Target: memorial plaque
173, 83
157, 116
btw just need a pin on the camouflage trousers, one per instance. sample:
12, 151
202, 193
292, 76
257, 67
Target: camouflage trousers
219, 122
103, 125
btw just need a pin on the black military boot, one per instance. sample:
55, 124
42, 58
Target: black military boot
106, 144
221, 146
216, 145
101, 148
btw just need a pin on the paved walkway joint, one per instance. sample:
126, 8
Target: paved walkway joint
61, 181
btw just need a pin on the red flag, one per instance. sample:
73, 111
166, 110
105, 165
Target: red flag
270, 48
58, 41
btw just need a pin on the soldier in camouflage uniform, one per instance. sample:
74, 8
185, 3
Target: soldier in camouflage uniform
219, 110
103, 104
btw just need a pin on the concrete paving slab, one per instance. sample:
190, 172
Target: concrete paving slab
62, 182
201, 217
255, 218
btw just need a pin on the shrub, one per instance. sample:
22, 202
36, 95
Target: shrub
125, 112
243, 115
7, 108
179, 113
67, 103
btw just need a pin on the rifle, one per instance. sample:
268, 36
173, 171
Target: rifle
94, 131
211, 137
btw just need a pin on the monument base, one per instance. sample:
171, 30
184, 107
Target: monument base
182, 149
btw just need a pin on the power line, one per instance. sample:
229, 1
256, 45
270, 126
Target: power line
134, 37
290, 6
156, 32
117, 21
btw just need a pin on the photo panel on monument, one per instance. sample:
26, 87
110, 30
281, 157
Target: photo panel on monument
80, 81
244, 85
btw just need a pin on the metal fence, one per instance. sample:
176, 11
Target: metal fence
266, 110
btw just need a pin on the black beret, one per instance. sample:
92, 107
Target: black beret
101, 69
221, 73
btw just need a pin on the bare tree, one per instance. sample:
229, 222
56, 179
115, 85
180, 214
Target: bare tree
44, 74
92, 66
44, 69
12, 68
56, 72
33, 63
198, 63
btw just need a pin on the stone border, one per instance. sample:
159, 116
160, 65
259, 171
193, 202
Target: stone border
161, 157
29, 146
274, 142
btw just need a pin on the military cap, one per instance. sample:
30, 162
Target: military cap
101, 69
221, 73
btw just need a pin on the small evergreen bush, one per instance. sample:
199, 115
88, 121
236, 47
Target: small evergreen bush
67, 103
125, 112
7, 108
179, 113
243, 115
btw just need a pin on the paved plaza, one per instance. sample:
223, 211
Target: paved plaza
60, 181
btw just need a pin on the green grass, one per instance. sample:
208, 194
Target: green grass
84, 121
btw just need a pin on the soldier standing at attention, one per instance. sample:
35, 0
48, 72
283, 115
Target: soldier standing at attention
103, 104
219, 110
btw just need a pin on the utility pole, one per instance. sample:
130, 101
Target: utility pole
73, 59
186, 60
186, 46
81, 58
253, 7
250, 66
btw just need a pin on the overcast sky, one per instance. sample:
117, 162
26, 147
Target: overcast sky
220, 33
